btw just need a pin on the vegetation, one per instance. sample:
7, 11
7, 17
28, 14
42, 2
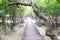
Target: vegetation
15, 10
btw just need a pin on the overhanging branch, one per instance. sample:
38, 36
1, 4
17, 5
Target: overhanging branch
35, 10
20, 3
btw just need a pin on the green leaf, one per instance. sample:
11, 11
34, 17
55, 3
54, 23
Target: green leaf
1, 1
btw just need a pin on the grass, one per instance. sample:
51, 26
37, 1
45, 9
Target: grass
17, 35
42, 30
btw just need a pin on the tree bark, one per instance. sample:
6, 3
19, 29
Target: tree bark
13, 19
21, 3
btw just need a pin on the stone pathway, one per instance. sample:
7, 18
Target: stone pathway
31, 32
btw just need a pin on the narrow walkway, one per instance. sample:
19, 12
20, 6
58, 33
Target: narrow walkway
31, 32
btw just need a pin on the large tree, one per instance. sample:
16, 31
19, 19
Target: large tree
35, 10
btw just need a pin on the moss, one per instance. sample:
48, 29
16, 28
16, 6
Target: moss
58, 30
0, 28
50, 34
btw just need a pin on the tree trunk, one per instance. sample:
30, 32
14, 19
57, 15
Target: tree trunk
13, 17
4, 26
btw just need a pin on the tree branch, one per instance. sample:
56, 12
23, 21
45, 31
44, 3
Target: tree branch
21, 3
35, 10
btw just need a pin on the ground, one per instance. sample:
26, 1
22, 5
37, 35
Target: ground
19, 30
17, 35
